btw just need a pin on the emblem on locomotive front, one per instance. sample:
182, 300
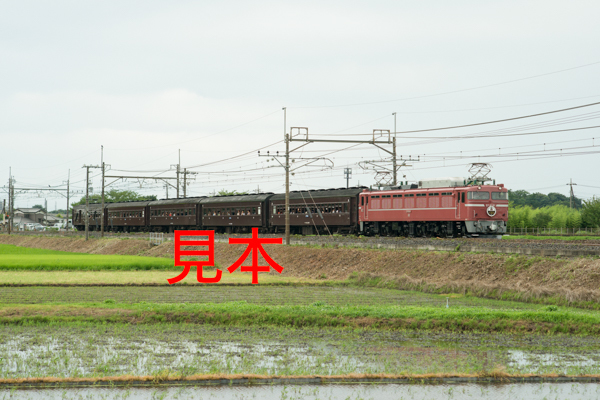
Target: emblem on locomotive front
491, 211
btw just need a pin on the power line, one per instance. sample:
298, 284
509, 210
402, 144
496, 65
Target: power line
502, 120
203, 137
452, 91
499, 135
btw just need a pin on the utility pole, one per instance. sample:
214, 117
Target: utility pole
571, 195
67, 213
87, 200
87, 203
178, 169
184, 182
347, 175
185, 174
288, 138
167, 188
46, 211
287, 178
102, 212
395, 174
11, 195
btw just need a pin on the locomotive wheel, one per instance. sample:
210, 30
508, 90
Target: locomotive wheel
418, 231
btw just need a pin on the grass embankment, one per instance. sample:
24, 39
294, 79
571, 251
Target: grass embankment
23, 258
496, 292
535, 237
318, 315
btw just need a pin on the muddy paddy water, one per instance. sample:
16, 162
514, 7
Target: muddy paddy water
95, 350
525, 391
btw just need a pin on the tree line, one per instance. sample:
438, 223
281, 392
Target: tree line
538, 210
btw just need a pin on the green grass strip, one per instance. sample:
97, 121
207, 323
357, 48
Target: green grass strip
549, 320
24, 258
535, 237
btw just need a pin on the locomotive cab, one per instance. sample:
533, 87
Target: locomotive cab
486, 210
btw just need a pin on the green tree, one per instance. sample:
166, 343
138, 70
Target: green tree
518, 197
538, 200
590, 213
542, 218
116, 196
224, 192
41, 207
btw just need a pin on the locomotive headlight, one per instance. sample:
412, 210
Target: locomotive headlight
493, 226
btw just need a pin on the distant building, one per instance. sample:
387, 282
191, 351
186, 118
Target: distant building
24, 216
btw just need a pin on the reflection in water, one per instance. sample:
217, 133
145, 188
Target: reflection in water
525, 391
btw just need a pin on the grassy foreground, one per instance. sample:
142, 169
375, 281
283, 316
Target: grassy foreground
23, 258
549, 321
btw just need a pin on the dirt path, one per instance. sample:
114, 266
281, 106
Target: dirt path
576, 279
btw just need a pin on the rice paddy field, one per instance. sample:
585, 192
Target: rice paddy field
23, 258
69, 319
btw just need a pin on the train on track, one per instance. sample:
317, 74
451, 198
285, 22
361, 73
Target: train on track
449, 207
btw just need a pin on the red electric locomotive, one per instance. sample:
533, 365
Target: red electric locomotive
447, 207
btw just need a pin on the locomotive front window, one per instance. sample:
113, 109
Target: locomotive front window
499, 195
478, 196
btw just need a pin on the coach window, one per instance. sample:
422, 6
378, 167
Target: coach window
478, 196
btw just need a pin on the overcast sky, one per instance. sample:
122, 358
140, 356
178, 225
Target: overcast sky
146, 79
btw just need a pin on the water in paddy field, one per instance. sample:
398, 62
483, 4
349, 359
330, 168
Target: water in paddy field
518, 391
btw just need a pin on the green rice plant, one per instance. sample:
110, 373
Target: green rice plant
22, 258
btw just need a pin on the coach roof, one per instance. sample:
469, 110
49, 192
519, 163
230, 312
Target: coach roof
322, 193
187, 200
243, 198
137, 204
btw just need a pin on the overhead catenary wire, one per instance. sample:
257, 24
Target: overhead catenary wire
450, 91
